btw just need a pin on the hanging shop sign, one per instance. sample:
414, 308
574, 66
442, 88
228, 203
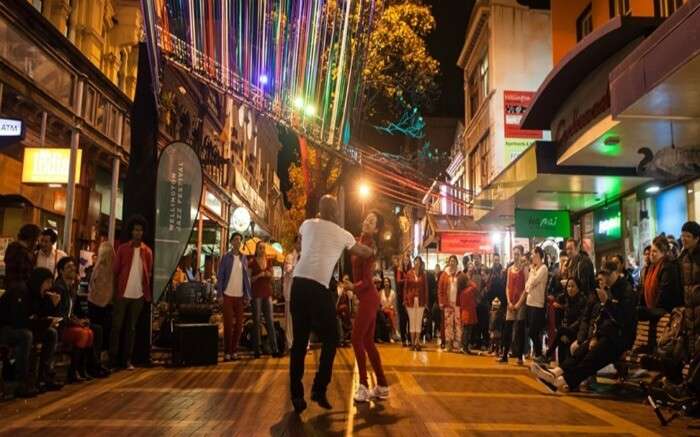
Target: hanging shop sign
240, 219
213, 203
542, 223
178, 196
465, 242
257, 204
608, 223
515, 103
11, 131
48, 166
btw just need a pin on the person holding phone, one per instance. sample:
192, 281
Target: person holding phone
261, 279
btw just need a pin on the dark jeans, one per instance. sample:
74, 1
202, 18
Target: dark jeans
466, 336
264, 306
562, 344
535, 325
313, 308
22, 340
514, 334
403, 322
480, 335
103, 317
653, 315
125, 317
586, 361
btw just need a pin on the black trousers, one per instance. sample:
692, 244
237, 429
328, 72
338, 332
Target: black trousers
561, 344
652, 315
535, 325
103, 317
403, 322
587, 361
514, 334
313, 308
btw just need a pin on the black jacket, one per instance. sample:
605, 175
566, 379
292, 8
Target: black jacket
16, 307
574, 309
617, 320
670, 290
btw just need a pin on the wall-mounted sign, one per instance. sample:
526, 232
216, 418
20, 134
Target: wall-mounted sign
515, 103
11, 129
671, 210
213, 204
608, 223
48, 166
465, 242
240, 219
257, 204
542, 223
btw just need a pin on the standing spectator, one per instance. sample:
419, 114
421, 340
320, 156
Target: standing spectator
401, 269
496, 300
437, 329
481, 334
690, 267
388, 305
14, 309
233, 289
261, 282
101, 289
133, 266
289, 262
467, 306
580, 266
534, 298
48, 255
448, 296
415, 299
661, 288
344, 311
76, 331
645, 266
515, 316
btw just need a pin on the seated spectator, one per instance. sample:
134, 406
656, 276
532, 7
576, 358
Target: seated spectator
611, 332
43, 305
15, 311
388, 305
661, 288
467, 307
573, 304
76, 330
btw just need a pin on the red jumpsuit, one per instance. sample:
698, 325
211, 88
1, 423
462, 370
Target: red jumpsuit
366, 318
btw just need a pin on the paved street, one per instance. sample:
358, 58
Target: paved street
433, 393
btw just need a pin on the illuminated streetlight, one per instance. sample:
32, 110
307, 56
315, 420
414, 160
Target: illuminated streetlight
364, 190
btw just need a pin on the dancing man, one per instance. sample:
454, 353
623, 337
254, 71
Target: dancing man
312, 304
365, 321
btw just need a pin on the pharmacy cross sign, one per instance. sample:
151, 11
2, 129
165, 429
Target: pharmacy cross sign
11, 131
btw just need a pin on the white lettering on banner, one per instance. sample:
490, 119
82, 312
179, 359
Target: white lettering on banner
10, 128
607, 225
257, 204
176, 180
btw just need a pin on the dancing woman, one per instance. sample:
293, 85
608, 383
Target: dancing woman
363, 329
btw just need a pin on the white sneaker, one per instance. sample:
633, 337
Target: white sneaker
543, 374
379, 392
362, 394
557, 371
561, 385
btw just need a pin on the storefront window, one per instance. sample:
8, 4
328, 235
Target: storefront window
671, 211
694, 201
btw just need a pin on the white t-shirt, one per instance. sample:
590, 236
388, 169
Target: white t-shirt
49, 261
322, 243
134, 285
535, 287
234, 288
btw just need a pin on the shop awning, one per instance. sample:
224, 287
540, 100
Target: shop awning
582, 60
437, 225
535, 181
660, 79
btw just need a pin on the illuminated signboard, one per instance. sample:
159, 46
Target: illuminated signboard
608, 223
48, 166
11, 131
542, 223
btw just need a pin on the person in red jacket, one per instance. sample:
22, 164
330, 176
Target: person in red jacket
133, 266
365, 321
467, 307
415, 298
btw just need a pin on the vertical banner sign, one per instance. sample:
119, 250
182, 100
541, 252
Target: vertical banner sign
178, 196
515, 103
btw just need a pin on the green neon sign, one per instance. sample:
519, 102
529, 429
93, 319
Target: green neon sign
608, 223
542, 223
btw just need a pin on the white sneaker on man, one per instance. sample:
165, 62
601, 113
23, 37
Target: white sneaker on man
379, 392
362, 394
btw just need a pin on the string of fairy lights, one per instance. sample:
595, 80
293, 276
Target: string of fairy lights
295, 60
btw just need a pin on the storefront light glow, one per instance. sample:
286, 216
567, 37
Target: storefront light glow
653, 189
496, 237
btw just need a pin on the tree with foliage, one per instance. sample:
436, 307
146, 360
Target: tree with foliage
398, 65
324, 178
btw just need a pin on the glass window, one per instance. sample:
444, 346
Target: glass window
620, 7
474, 177
29, 59
37, 4
485, 162
484, 77
584, 23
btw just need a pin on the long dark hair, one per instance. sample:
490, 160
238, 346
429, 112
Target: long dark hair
422, 266
38, 276
380, 226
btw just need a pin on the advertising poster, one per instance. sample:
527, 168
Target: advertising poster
178, 196
515, 103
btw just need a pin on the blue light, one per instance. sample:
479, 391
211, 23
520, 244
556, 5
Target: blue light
263, 79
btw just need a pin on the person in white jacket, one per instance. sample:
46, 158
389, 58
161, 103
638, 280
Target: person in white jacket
535, 295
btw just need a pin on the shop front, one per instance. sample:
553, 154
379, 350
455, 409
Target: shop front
607, 232
543, 228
